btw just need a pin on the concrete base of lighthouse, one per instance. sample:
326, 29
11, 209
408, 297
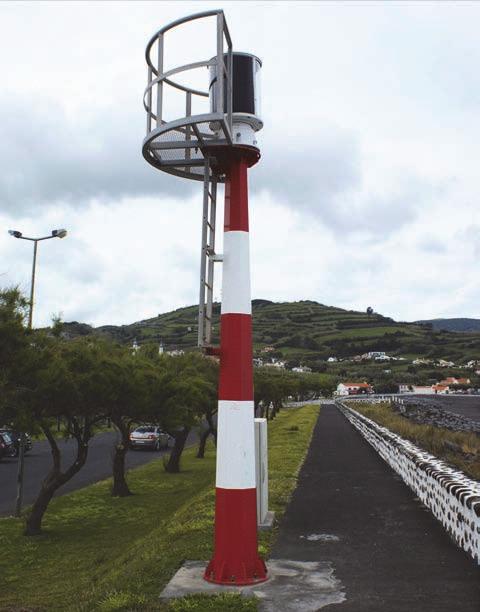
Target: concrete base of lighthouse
292, 586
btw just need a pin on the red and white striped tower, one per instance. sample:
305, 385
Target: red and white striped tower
219, 146
236, 558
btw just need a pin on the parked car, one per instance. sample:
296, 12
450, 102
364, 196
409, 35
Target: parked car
16, 437
149, 436
7, 447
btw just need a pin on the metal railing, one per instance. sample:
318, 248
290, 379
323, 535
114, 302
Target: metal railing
188, 132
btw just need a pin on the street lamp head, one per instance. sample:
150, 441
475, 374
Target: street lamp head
59, 233
15, 233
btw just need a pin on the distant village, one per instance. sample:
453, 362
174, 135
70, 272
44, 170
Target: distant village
444, 387
448, 385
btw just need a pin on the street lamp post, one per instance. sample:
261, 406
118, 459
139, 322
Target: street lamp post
58, 233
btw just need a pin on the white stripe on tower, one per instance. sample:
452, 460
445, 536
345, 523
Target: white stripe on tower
236, 273
236, 445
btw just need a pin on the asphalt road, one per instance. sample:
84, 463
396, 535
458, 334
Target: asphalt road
38, 462
389, 552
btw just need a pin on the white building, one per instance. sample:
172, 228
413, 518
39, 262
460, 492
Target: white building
353, 388
176, 353
419, 390
275, 364
422, 361
302, 369
445, 364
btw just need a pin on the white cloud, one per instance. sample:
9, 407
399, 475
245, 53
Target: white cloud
366, 193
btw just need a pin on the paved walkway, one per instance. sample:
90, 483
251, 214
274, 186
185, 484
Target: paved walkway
387, 550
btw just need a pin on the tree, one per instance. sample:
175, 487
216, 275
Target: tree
131, 380
66, 380
209, 370
272, 388
186, 395
14, 345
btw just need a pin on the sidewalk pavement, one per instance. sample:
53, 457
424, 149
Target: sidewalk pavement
389, 553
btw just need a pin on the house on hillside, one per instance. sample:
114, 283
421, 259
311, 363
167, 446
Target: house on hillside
445, 364
441, 389
302, 369
404, 388
332, 360
275, 363
421, 390
353, 388
374, 355
451, 380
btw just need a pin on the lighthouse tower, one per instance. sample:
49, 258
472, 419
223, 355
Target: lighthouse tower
219, 147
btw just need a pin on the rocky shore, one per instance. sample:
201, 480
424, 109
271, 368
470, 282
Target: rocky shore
427, 412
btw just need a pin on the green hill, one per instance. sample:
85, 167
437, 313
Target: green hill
455, 325
304, 331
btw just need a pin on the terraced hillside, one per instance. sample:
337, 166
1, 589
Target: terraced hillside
304, 331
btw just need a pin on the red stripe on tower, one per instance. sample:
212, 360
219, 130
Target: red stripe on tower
236, 559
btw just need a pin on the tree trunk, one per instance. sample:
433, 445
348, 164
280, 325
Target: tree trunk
120, 486
173, 464
33, 523
54, 480
202, 443
213, 429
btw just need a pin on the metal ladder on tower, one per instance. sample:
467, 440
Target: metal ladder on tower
208, 259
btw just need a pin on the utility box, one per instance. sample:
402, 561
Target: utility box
264, 517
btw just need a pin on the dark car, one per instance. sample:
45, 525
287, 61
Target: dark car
16, 437
7, 447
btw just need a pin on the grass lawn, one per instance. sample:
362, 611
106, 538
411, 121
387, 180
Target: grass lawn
103, 553
435, 440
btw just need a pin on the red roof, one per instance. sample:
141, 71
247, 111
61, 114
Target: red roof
363, 385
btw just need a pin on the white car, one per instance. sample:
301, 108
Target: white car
149, 436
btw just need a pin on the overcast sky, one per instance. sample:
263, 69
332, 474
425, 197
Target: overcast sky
368, 188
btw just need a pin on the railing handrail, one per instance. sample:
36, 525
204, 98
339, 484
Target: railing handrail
178, 22
219, 91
